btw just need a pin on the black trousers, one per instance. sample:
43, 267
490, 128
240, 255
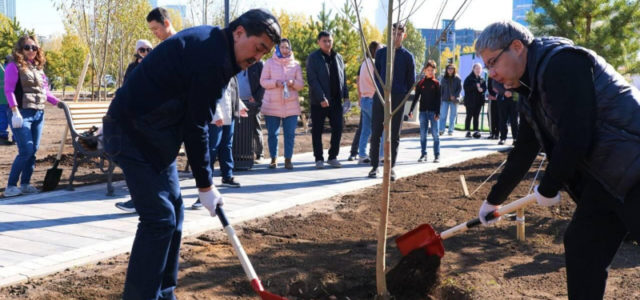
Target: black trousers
377, 126
356, 139
257, 134
318, 116
508, 112
495, 117
473, 112
596, 231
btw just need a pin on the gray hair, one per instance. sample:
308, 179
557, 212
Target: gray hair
500, 35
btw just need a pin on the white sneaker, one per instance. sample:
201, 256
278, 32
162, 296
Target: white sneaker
12, 191
28, 189
334, 163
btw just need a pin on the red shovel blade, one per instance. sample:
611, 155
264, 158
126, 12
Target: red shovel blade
422, 237
264, 295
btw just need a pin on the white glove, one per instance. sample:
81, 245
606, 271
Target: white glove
16, 119
545, 201
211, 199
484, 210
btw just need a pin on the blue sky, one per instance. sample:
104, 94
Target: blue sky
42, 16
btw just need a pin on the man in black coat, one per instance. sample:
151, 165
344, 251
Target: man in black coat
251, 93
586, 118
327, 79
169, 99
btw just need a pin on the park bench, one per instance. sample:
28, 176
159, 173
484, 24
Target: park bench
81, 117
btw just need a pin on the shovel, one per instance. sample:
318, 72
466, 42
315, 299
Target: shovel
424, 236
52, 178
244, 260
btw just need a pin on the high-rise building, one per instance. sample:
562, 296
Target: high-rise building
8, 8
451, 38
522, 7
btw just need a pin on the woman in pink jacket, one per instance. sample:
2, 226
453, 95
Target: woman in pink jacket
282, 79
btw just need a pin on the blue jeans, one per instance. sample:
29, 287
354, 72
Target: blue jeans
452, 109
220, 145
289, 125
153, 264
28, 139
366, 107
4, 120
427, 117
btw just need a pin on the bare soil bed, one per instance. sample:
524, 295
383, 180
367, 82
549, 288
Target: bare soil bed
55, 123
326, 250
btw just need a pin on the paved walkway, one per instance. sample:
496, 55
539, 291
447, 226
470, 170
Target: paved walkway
49, 232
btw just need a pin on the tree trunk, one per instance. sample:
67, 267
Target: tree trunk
381, 281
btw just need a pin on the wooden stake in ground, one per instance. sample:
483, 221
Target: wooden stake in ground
465, 189
520, 224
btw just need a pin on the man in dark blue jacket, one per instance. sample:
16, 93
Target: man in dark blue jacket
404, 76
169, 99
327, 78
586, 118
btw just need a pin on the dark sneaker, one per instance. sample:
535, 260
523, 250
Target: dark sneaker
334, 163
468, 134
319, 164
126, 206
373, 173
422, 158
230, 182
364, 160
501, 142
437, 159
197, 205
441, 133
351, 158
393, 175
477, 135
6, 142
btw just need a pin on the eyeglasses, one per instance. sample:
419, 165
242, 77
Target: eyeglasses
30, 47
143, 50
491, 63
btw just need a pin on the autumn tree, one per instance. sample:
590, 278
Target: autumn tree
608, 27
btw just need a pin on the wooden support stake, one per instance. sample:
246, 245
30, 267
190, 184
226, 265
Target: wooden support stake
520, 224
465, 190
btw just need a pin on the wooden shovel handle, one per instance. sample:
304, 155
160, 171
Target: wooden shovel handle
511, 207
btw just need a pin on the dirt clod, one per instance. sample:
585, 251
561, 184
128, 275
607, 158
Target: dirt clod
415, 276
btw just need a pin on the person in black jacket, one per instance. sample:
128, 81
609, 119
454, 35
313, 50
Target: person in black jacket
164, 103
586, 118
428, 92
251, 93
327, 79
474, 89
143, 47
494, 113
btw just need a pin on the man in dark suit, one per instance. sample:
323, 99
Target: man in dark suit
327, 79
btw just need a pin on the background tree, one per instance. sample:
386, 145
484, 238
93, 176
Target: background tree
609, 27
10, 32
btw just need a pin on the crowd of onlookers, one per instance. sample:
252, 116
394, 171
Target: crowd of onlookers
269, 91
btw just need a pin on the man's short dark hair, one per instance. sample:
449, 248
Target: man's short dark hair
158, 14
258, 21
373, 47
322, 34
398, 26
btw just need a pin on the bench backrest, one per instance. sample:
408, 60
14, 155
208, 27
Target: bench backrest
85, 115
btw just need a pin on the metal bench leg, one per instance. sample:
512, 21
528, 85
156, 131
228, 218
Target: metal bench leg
73, 171
112, 166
